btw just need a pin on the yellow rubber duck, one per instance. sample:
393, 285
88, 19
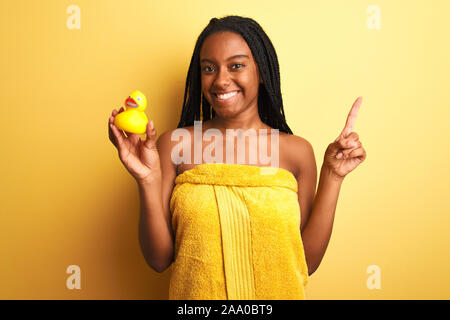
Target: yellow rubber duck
133, 119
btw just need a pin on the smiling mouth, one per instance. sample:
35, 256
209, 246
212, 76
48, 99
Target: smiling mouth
228, 97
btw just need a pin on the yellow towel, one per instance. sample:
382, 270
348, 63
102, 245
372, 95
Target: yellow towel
237, 234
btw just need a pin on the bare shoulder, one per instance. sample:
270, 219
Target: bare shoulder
300, 143
298, 152
164, 143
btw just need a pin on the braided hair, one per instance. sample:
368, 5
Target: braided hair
270, 103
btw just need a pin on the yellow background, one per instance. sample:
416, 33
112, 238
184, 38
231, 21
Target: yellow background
67, 199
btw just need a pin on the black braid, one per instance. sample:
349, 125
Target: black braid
270, 101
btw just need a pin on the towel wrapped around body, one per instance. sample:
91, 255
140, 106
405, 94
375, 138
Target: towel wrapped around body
237, 234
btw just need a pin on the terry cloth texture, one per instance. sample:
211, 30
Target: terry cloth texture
237, 234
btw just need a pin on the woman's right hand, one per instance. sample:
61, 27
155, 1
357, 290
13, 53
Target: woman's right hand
139, 157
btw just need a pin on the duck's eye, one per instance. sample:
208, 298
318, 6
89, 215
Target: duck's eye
139, 98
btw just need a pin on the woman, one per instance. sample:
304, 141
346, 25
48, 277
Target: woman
229, 230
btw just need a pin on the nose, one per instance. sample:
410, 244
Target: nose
222, 79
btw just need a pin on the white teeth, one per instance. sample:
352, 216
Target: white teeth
226, 96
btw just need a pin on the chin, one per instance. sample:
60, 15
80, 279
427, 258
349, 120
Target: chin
226, 113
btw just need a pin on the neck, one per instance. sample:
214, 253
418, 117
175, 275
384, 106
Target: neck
221, 123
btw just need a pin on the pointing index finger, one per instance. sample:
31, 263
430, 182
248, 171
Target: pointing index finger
351, 118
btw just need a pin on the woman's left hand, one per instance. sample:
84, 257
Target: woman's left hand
346, 152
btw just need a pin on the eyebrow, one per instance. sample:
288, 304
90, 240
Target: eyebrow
233, 57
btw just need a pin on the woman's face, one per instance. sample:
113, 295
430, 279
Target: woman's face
227, 66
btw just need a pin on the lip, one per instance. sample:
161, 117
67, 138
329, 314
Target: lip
229, 100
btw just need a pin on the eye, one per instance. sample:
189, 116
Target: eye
204, 69
239, 66
139, 98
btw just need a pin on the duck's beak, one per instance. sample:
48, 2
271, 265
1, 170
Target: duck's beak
131, 103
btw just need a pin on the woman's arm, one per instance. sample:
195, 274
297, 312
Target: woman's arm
155, 236
342, 156
317, 232
155, 228
317, 209
142, 159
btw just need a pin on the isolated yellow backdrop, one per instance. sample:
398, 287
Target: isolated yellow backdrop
67, 200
